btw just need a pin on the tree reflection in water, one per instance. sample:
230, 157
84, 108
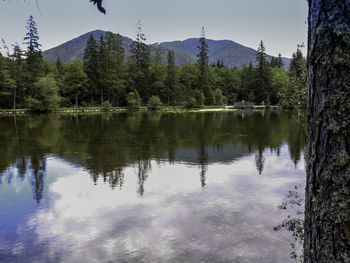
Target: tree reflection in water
105, 144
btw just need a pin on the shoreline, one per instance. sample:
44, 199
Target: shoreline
125, 109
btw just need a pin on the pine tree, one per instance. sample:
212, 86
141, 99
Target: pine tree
17, 73
171, 77
158, 74
6, 83
297, 66
114, 68
279, 61
203, 62
91, 65
248, 82
263, 75
102, 67
75, 81
140, 56
33, 55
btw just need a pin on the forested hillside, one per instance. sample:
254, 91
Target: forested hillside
232, 53
119, 72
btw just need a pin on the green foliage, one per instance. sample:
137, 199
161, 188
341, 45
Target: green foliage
33, 55
140, 64
199, 97
294, 94
6, 83
154, 103
46, 97
104, 75
75, 82
91, 65
251, 96
106, 105
133, 100
263, 75
203, 66
218, 97
171, 78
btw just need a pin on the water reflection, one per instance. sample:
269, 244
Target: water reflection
147, 187
106, 144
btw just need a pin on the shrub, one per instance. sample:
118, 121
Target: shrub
106, 106
46, 98
154, 103
133, 100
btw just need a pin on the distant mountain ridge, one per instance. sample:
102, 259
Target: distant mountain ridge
232, 53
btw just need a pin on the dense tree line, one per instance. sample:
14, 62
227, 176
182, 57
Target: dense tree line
107, 78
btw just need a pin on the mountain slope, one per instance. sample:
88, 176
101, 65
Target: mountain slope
232, 53
74, 49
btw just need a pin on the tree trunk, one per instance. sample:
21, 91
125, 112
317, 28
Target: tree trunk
327, 209
76, 101
101, 97
14, 98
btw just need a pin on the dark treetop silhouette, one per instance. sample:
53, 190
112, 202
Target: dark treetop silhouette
99, 5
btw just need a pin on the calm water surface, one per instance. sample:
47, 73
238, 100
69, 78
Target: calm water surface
148, 187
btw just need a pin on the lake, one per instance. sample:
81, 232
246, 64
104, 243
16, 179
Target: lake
149, 186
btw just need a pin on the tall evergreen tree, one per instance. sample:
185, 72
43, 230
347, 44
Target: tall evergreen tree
297, 66
203, 65
140, 57
114, 65
17, 73
33, 55
171, 77
248, 83
6, 83
158, 74
102, 67
91, 65
279, 61
263, 75
75, 82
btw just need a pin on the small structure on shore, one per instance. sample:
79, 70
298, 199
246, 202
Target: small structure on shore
243, 105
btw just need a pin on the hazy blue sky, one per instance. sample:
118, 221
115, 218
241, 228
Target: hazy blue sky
281, 24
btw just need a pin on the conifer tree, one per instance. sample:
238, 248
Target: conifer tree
203, 62
6, 83
171, 77
140, 56
75, 82
114, 67
279, 61
91, 65
17, 73
33, 55
263, 75
247, 82
102, 67
158, 74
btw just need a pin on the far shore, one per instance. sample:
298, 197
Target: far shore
126, 109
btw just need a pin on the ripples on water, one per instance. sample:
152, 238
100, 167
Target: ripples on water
148, 187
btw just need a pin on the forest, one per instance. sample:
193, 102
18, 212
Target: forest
107, 78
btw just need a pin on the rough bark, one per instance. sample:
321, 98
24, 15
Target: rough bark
327, 210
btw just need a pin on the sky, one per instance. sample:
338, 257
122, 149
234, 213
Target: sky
281, 24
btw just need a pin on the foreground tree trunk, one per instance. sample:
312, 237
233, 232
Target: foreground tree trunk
327, 210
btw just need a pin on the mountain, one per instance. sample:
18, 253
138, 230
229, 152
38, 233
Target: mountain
232, 53
74, 49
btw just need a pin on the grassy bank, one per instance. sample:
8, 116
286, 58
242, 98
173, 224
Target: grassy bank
120, 109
